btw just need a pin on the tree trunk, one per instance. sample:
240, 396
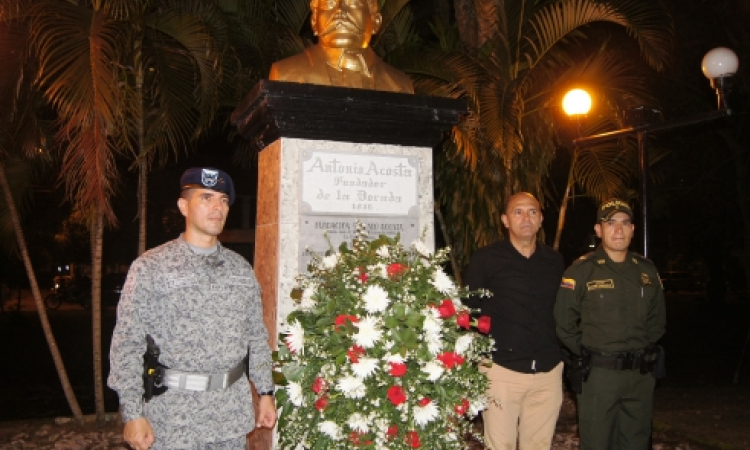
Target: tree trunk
97, 236
564, 204
142, 159
444, 231
41, 310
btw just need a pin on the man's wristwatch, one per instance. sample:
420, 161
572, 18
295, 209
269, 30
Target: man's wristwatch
265, 393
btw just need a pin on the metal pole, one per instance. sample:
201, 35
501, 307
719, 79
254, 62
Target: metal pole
643, 162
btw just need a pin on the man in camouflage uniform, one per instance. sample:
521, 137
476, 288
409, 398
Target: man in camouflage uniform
200, 302
610, 309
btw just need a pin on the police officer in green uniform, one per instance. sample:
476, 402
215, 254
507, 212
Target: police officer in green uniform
610, 312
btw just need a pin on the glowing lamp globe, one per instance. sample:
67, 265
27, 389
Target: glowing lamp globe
720, 62
576, 102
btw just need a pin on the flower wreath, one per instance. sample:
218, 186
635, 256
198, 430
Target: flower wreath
380, 352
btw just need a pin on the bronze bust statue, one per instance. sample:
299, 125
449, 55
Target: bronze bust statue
342, 56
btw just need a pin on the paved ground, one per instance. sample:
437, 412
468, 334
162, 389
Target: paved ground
696, 408
63, 434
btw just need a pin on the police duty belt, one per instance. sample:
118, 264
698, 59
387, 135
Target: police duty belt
203, 382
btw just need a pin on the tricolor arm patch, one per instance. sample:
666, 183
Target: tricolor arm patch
568, 283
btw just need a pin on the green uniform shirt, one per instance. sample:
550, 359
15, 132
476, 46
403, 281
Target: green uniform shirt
610, 307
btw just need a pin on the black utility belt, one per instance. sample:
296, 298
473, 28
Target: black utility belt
625, 361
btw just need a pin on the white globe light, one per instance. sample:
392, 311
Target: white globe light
720, 62
577, 102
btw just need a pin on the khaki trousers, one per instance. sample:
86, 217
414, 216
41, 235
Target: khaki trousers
529, 405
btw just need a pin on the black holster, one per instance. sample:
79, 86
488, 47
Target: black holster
654, 361
153, 371
577, 368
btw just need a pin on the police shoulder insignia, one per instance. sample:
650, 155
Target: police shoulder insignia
568, 283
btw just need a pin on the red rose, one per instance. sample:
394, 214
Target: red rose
319, 385
354, 353
396, 395
398, 369
450, 359
396, 269
484, 324
446, 309
462, 407
341, 320
463, 320
321, 403
412, 439
362, 275
392, 432
424, 401
354, 436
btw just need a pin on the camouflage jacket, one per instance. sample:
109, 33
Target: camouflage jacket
204, 312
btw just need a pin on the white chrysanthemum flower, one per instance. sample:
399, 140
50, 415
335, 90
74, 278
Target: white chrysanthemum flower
383, 252
330, 261
331, 429
380, 270
397, 358
307, 303
431, 324
433, 370
295, 393
442, 282
434, 342
352, 387
477, 406
463, 343
425, 414
358, 422
295, 337
420, 247
365, 367
369, 332
376, 299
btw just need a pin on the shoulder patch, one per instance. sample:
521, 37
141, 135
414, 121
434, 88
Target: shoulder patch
582, 259
568, 283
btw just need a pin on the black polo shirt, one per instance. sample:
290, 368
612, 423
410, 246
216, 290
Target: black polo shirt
521, 308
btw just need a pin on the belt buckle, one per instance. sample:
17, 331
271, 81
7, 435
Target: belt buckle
194, 382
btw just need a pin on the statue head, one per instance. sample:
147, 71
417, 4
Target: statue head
346, 24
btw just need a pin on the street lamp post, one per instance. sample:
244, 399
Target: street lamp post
576, 103
719, 65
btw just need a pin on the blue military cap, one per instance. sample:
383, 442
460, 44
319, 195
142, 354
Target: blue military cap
208, 178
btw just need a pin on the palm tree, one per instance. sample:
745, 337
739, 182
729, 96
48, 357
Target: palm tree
22, 139
121, 76
174, 57
513, 60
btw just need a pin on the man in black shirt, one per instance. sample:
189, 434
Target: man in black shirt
526, 375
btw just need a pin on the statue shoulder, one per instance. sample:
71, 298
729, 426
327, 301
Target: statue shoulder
293, 68
394, 79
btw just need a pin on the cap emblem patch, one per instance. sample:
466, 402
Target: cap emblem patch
209, 178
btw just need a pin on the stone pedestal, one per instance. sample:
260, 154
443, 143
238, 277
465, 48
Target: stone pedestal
330, 157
